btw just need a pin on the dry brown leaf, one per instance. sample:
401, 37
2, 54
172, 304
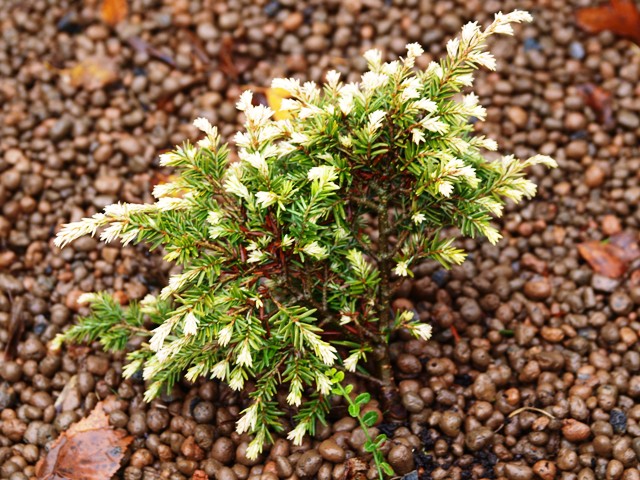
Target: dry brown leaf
619, 16
603, 258
612, 258
90, 449
356, 469
92, 73
16, 328
141, 45
197, 47
231, 62
627, 244
67, 400
271, 97
113, 12
225, 57
599, 100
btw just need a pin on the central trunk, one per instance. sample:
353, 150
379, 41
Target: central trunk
389, 394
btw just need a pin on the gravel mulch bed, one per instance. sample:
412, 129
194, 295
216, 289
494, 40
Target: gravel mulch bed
538, 328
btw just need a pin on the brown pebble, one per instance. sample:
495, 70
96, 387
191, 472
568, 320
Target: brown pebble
191, 449
594, 176
400, 458
157, 419
283, 467
577, 149
345, 424
518, 116
308, 464
204, 412
478, 438
11, 372
412, 402
552, 334
97, 365
408, 363
71, 300
241, 456
129, 146
484, 388
545, 469
137, 424
575, 121
516, 471
575, 431
14, 429
611, 225
226, 473
567, 459
539, 289
223, 450
331, 451
450, 423
141, 458
615, 469
293, 21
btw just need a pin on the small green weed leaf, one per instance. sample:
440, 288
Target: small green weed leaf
370, 418
380, 439
386, 468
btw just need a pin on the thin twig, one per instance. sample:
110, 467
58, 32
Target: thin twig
531, 409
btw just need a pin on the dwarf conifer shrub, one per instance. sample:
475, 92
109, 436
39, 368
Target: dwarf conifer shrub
282, 280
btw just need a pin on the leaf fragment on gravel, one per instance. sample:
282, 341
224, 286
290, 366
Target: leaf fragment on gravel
599, 100
619, 16
612, 258
274, 99
92, 73
113, 12
90, 449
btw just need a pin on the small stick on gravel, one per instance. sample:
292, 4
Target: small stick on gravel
16, 328
530, 409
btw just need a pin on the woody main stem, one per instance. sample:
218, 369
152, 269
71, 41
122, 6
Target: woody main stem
389, 390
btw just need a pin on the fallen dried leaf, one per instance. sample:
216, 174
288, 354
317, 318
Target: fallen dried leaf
76, 352
225, 57
90, 449
140, 45
197, 47
232, 63
274, 99
599, 100
271, 97
619, 16
627, 243
113, 12
356, 469
92, 73
611, 258
603, 258
15, 328
67, 401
